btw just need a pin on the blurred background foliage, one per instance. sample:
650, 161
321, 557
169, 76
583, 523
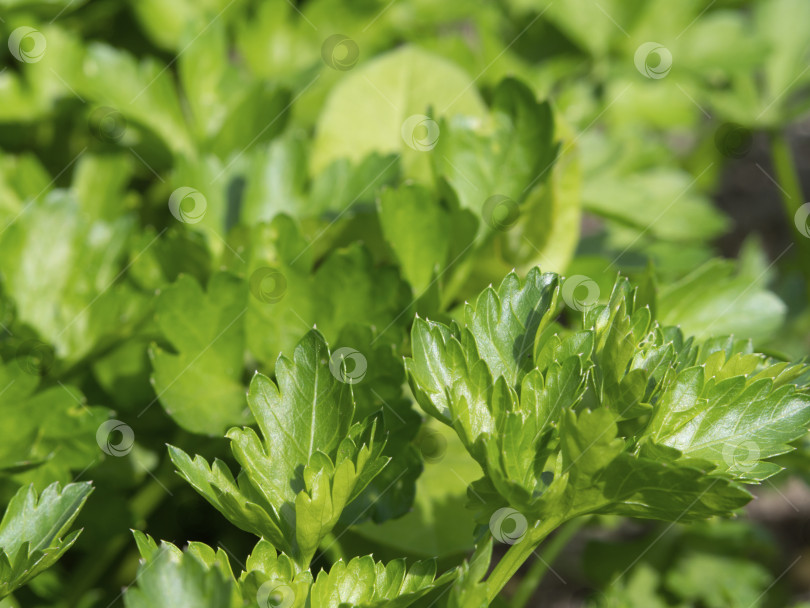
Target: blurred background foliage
307, 202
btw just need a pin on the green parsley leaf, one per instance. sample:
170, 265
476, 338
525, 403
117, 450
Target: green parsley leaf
32, 531
311, 463
201, 387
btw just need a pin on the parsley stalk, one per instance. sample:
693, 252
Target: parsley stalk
790, 190
518, 553
529, 583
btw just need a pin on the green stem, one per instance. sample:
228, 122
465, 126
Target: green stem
517, 555
152, 494
786, 173
791, 192
549, 553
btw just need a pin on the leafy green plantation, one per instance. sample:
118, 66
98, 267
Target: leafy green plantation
404, 303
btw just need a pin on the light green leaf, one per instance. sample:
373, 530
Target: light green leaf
719, 581
509, 162
230, 111
201, 387
714, 299
364, 583
143, 92
734, 422
78, 269
100, 183
50, 431
32, 529
273, 577
468, 590
51, 5
415, 226
310, 464
785, 75
552, 444
367, 110
309, 411
659, 202
172, 578
504, 323
166, 23
290, 294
